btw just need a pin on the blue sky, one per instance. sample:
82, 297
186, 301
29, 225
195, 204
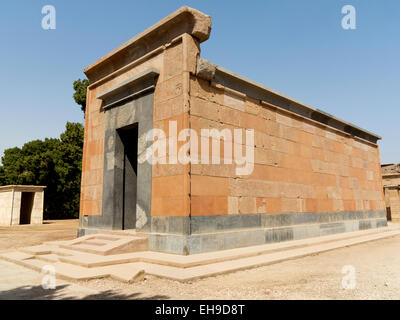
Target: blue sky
296, 47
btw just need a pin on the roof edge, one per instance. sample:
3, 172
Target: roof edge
211, 72
187, 19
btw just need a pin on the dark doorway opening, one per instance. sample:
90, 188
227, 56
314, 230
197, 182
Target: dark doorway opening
129, 138
388, 214
26, 207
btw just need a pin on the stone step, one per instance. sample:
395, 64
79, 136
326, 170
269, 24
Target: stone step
34, 264
16, 256
95, 260
37, 250
213, 269
223, 267
47, 249
92, 238
105, 237
131, 267
48, 257
132, 232
122, 245
96, 242
55, 243
130, 272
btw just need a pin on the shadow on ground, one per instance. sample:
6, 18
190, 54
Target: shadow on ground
38, 293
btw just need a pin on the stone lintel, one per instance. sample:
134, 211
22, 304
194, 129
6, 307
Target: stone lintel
22, 188
392, 187
150, 73
184, 20
390, 175
131, 88
211, 72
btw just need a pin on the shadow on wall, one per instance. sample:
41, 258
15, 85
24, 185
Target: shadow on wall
38, 293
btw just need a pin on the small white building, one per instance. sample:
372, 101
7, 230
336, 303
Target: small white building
21, 205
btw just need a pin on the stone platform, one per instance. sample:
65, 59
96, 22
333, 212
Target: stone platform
96, 257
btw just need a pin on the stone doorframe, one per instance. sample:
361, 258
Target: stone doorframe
125, 105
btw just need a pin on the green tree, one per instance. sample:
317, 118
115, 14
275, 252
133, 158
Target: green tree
69, 166
54, 163
80, 87
2, 176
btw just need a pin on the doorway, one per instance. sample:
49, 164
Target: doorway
129, 138
26, 207
126, 196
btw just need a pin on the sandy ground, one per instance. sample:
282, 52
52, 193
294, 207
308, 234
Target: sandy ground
19, 283
31, 235
377, 275
376, 266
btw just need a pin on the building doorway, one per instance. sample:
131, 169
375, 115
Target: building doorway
26, 207
129, 138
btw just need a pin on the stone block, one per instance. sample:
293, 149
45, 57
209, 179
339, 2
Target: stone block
209, 186
261, 205
176, 186
233, 205
252, 122
252, 106
173, 61
160, 170
168, 109
209, 205
216, 170
247, 205
169, 89
170, 206
202, 89
229, 116
204, 109
284, 118
233, 100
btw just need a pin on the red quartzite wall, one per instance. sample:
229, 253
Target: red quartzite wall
313, 174
300, 165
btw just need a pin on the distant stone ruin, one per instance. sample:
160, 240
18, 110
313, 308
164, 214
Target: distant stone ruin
391, 187
21, 205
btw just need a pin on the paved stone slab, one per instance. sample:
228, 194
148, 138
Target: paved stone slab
16, 255
132, 266
17, 282
206, 258
106, 244
48, 257
91, 261
40, 249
